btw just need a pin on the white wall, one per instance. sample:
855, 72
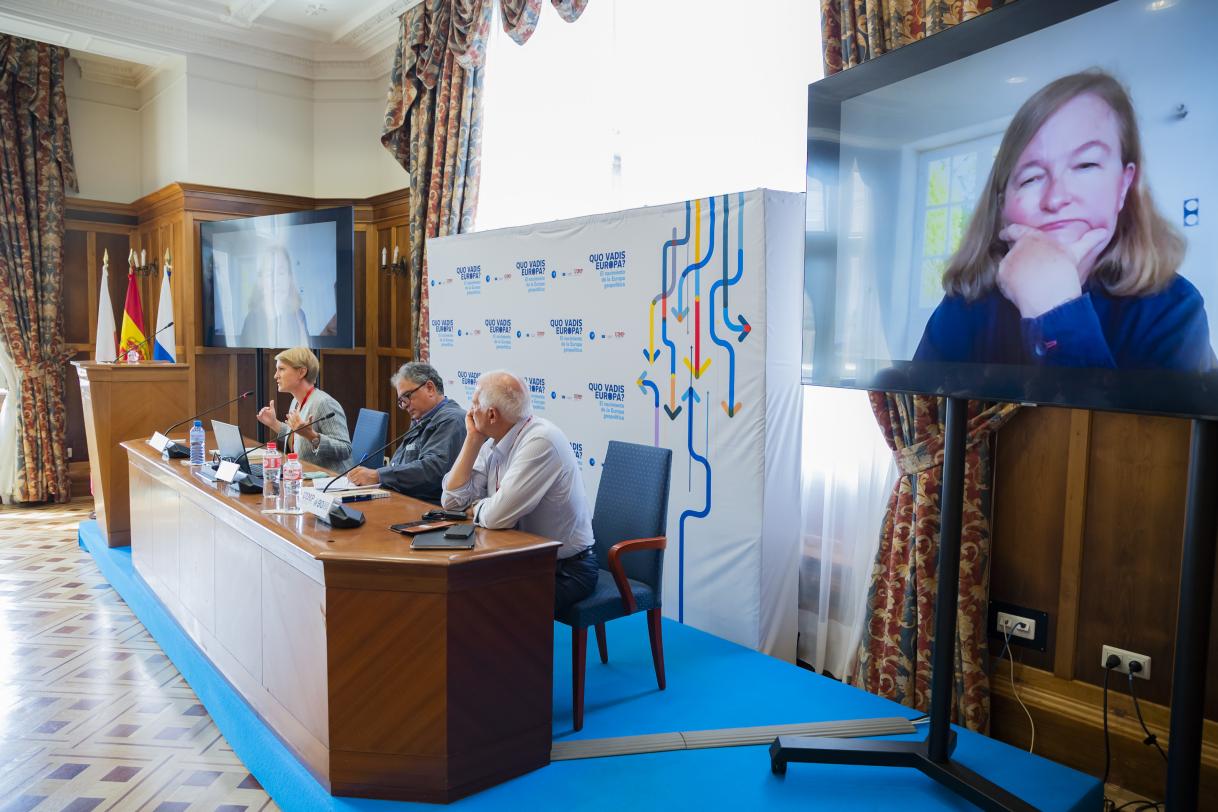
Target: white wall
106, 138
348, 159
212, 122
165, 135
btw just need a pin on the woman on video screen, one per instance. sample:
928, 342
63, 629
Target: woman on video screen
1066, 262
275, 317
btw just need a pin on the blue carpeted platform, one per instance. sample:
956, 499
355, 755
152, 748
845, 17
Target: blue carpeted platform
711, 684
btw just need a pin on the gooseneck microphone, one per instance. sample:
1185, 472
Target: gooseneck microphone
179, 451
252, 484
139, 344
364, 459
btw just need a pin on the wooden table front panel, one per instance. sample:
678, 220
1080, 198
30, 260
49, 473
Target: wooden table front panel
390, 673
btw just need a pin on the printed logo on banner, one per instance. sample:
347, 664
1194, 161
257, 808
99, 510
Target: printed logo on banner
471, 277
443, 334
538, 393
578, 448
611, 266
570, 334
533, 272
611, 397
468, 380
500, 331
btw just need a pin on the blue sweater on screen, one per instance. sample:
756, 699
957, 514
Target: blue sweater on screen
1166, 330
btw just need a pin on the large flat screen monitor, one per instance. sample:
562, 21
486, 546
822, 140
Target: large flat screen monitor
284, 280
1019, 208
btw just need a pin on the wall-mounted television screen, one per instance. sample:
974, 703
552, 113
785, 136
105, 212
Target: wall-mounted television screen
283, 280
1022, 208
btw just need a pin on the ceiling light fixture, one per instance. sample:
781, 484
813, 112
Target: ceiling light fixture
313, 9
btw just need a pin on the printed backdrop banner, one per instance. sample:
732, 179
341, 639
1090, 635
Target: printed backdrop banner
676, 326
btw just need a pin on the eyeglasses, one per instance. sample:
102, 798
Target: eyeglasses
405, 399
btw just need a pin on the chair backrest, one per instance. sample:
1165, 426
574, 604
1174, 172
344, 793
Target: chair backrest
632, 503
371, 430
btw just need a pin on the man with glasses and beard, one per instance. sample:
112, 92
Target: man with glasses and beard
437, 432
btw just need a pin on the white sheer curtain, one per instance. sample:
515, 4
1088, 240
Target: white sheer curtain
639, 103
10, 381
847, 476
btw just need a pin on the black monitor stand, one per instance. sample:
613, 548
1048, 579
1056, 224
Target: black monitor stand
932, 756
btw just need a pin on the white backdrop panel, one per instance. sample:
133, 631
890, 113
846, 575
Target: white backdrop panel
650, 326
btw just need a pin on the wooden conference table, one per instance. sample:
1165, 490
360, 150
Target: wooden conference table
390, 673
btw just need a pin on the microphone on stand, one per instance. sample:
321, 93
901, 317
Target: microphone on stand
364, 459
252, 484
139, 344
178, 451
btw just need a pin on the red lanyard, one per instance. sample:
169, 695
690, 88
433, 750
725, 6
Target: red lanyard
306, 398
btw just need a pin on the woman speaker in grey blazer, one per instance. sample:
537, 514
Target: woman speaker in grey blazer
326, 443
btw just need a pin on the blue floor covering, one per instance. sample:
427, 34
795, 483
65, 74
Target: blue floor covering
712, 683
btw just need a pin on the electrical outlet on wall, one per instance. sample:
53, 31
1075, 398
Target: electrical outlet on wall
1017, 626
1126, 657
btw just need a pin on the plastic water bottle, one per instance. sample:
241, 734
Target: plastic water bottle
197, 451
293, 473
272, 463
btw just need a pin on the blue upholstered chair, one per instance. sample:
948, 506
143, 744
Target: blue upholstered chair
628, 523
371, 429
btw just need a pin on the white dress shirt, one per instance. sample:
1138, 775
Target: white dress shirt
530, 481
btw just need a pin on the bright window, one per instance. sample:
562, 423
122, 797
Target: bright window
641, 103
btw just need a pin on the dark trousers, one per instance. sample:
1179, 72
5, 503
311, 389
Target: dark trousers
574, 580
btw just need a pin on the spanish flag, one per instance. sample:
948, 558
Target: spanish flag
131, 336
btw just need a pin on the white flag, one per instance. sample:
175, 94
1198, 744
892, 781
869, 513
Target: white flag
164, 346
107, 336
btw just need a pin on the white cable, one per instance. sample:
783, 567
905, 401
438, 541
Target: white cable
1006, 649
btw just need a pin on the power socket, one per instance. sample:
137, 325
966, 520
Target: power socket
1024, 627
1126, 657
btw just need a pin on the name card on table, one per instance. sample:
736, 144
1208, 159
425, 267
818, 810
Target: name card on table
317, 503
227, 471
159, 442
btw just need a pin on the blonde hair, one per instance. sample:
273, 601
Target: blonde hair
301, 358
1145, 249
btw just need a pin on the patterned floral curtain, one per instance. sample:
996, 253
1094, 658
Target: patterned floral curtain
853, 31
433, 122
36, 167
894, 655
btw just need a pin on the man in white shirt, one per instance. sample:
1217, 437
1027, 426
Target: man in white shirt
526, 478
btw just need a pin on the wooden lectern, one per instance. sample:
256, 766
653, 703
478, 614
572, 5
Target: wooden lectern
125, 402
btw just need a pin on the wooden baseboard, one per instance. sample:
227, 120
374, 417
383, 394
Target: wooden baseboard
78, 477
1069, 721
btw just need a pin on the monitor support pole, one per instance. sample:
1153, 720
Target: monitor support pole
933, 755
259, 390
1193, 618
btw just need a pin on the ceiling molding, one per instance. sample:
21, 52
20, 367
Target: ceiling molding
113, 72
243, 13
150, 31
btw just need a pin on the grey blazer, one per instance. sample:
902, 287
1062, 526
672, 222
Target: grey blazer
427, 451
334, 443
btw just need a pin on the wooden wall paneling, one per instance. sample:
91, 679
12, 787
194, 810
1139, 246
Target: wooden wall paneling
386, 306
360, 292
247, 410
403, 323
76, 277
345, 378
1028, 513
1133, 538
1074, 523
77, 442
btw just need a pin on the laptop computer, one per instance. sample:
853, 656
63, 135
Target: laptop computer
232, 446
